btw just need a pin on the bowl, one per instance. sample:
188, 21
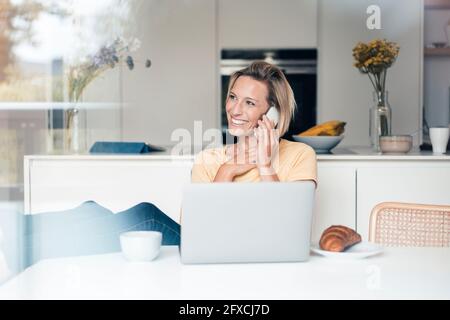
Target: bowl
141, 246
439, 44
320, 144
396, 144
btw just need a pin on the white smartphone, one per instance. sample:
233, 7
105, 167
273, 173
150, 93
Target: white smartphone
273, 115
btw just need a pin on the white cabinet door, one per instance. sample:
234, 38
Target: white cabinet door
267, 24
116, 185
335, 198
412, 183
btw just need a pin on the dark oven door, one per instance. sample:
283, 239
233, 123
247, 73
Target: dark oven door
304, 86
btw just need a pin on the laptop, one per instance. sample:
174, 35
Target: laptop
247, 222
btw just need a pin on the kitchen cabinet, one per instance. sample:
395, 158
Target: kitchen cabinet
437, 4
354, 181
425, 182
346, 94
267, 23
436, 64
437, 52
58, 183
336, 181
117, 183
350, 185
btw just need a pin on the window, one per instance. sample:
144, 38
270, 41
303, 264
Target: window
39, 40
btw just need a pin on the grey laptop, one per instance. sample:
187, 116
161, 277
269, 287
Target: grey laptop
247, 222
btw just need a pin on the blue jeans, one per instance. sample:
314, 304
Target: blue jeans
90, 229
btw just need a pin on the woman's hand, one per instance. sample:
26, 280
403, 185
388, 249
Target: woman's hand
241, 159
268, 145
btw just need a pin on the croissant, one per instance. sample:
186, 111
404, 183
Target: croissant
338, 238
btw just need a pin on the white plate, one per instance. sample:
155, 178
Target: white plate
358, 251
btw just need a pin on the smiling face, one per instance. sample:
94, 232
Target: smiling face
245, 105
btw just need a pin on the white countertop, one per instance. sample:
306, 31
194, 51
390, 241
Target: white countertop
398, 273
349, 153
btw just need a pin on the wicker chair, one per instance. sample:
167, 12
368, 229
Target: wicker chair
396, 224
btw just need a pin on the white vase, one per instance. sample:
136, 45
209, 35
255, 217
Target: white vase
75, 131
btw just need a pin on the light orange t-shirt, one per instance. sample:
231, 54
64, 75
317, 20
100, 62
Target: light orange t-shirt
296, 161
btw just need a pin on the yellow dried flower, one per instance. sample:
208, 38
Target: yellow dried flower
374, 58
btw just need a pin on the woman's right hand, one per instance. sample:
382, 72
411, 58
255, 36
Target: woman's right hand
239, 162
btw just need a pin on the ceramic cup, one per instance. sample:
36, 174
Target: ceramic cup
396, 144
439, 139
140, 245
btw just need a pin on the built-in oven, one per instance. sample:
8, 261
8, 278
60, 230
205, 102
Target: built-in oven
300, 69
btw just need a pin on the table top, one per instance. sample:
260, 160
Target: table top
397, 273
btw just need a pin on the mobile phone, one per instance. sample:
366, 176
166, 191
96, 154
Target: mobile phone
273, 115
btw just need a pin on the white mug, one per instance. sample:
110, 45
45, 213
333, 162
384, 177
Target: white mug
140, 245
439, 139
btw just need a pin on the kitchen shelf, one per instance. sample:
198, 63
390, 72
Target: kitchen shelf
437, 51
437, 4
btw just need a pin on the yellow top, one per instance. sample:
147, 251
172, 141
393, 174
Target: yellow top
296, 161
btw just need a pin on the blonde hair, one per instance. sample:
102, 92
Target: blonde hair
280, 96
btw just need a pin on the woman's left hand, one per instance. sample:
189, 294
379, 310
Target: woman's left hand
268, 143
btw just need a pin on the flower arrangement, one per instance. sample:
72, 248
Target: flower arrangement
79, 76
374, 58
108, 57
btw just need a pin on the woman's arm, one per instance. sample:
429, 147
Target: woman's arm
268, 148
224, 174
268, 175
241, 160
227, 172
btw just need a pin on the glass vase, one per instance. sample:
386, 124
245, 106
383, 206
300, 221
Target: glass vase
75, 140
380, 119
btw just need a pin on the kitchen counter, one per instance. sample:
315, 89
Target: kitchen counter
349, 153
366, 153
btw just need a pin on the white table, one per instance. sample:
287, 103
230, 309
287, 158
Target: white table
398, 273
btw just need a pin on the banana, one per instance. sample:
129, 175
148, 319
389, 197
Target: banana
330, 128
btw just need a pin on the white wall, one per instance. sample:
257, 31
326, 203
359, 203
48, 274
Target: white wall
181, 86
267, 23
183, 40
436, 70
105, 121
345, 94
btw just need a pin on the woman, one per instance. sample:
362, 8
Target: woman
259, 155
